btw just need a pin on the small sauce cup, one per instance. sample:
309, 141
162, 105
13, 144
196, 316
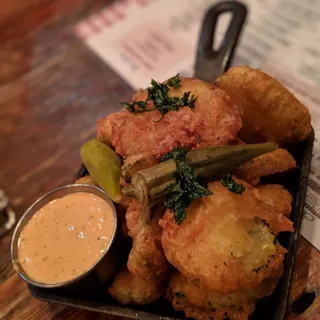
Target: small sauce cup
104, 262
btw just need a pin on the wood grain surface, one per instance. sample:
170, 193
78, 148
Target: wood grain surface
52, 90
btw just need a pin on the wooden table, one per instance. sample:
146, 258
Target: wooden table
52, 90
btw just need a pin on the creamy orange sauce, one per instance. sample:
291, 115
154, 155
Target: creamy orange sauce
65, 237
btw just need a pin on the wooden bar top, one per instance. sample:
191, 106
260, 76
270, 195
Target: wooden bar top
52, 91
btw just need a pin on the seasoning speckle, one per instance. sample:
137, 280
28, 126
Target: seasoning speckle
67, 238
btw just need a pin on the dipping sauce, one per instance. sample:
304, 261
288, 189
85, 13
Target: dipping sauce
65, 237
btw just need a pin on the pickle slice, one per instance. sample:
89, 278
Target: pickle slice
104, 166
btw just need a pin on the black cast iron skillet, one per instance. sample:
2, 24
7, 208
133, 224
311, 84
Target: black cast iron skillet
210, 63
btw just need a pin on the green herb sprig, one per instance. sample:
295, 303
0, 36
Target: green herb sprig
177, 153
186, 188
175, 82
131, 107
180, 295
158, 93
230, 184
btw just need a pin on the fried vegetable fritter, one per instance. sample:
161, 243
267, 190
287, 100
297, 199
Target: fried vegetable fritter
276, 161
277, 197
200, 314
86, 180
270, 112
127, 288
186, 293
146, 259
213, 121
227, 240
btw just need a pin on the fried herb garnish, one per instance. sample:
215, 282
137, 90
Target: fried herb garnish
175, 82
180, 295
186, 188
158, 94
177, 153
142, 105
233, 186
177, 200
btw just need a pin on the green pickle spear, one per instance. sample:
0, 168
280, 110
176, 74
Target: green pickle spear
104, 166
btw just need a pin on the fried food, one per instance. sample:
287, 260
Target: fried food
273, 162
225, 251
190, 296
227, 240
213, 121
135, 164
146, 259
277, 197
86, 180
127, 288
270, 112
200, 314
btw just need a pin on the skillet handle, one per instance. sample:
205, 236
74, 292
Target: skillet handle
210, 63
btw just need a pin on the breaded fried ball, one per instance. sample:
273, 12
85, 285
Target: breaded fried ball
227, 241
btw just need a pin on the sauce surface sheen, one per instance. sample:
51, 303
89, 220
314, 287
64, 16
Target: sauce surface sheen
65, 237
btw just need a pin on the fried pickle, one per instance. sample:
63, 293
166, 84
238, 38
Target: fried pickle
146, 259
127, 288
186, 293
277, 197
227, 240
213, 121
270, 112
273, 162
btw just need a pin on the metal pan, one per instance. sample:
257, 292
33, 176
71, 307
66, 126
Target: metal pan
209, 65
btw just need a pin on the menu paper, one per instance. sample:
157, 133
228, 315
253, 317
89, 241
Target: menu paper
144, 39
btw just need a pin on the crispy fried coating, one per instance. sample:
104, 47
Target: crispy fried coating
276, 161
277, 197
127, 288
86, 180
135, 163
213, 121
226, 242
136, 217
270, 112
186, 294
200, 314
146, 259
